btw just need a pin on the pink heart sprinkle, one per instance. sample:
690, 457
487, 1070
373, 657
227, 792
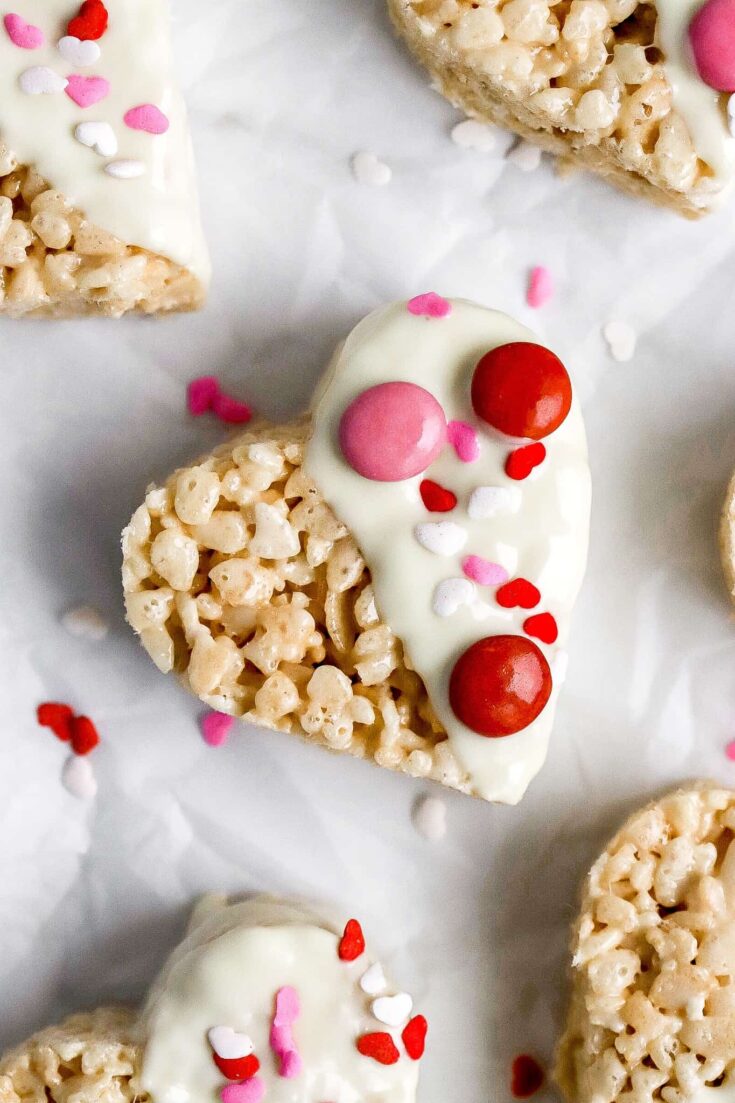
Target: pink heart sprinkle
483, 571
730, 751
146, 117
230, 410
291, 1064
540, 287
21, 33
430, 304
201, 393
87, 91
463, 439
288, 1006
216, 726
247, 1091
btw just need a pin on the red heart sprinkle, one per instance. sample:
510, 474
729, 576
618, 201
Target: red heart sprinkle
380, 1046
352, 943
542, 627
519, 591
237, 1068
84, 737
521, 463
414, 1037
436, 498
91, 23
527, 1076
56, 716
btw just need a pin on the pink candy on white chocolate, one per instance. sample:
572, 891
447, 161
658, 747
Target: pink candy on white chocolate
712, 38
370, 442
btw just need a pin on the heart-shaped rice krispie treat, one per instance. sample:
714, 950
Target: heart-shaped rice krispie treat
652, 1013
263, 1000
393, 577
636, 91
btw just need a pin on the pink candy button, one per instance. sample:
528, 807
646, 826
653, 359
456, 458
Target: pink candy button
712, 36
392, 432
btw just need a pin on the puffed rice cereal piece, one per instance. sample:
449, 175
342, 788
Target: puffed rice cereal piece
652, 1012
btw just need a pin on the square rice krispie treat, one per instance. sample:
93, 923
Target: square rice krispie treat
635, 91
98, 202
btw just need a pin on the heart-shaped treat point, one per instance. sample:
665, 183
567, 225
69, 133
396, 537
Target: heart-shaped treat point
352, 943
429, 305
392, 432
500, 685
520, 593
380, 1046
146, 117
22, 34
521, 463
229, 1044
237, 1068
77, 52
526, 1077
393, 1010
712, 38
87, 91
542, 627
91, 23
522, 390
436, 498
414, 1037
249, 1091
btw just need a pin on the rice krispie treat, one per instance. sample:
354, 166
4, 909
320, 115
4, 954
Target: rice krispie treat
652, 1013
98, 203
394, 577
636, 91
263, 1000
727, 538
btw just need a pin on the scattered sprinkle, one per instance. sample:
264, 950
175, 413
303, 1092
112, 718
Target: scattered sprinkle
79, 53
39, 80
148, 118
451, 594
487, 501
441, 537
87, 91
414, 1037
525, 156
527, 1076
430, 304
430, 818
464, 440
86, 623
730, 750
471, 134
621, 337
542, 626
204, 394
540, 287
367, 168
392, 1010
282, 1042
23, 34
57, 717
518, 593
436, 498
483, 571
522, 461
227, 1043
84, 735
125, 170
98, 136
380, 1047
230, 410
352, 943
249, 1091
216, 727
373, 980
90, 23
77, 777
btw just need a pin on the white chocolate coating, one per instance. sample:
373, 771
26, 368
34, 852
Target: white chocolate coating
157, 210
544, 540
700, 106
226, 973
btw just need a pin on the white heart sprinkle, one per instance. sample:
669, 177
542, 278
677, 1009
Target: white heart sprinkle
78, 778
488, 501
524, 156
367, 168
430, 818
41, 81
451, 594
393, 1010
85, 623
621, 338
373, 980
97, 136
125, 170
441, 537
472, 134
78, 52
228, 1044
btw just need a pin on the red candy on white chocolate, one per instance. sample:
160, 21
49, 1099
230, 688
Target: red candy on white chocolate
712, 38
499, 685
392, 432
522, 390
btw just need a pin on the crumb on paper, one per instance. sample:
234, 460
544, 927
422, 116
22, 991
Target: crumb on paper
85, 623
471, 134
430, 818
524, 156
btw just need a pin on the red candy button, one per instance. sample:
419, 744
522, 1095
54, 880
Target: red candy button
522, 389
392, 432
500, 685
437, 498
712, 37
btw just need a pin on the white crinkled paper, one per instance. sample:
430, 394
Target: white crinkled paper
475, 925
